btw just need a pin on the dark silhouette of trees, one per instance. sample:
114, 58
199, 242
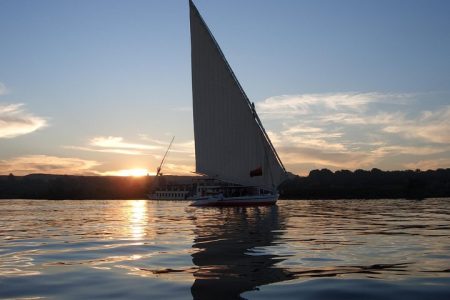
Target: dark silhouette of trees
319, 184
374, 184
41, 186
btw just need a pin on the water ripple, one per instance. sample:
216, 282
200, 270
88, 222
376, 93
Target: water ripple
149, 249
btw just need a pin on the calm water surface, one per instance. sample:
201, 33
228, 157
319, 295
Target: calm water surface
139, 249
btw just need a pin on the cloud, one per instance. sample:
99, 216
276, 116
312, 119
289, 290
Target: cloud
345, 118
429, 164
29, 164
15, 121
114, 142
180, 159
116, 151
430, 126
356, 130
302, 152
323, 159
299, 105
179, 169
46, 164
186, 147
117, 145
412, 150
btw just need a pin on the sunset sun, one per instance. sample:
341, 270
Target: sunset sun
133, 172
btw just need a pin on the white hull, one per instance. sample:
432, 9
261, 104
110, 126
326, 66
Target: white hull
219, 200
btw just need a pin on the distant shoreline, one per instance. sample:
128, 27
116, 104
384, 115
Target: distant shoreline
318, 185
181, 200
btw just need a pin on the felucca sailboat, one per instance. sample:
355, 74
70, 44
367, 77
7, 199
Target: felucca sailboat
231, 144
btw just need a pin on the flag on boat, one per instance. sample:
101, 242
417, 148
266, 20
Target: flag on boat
256, 172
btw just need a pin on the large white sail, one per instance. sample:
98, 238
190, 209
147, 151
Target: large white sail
230, 142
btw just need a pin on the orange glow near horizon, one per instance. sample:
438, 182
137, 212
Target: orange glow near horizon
130, 172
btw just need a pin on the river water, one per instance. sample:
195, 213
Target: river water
142, 249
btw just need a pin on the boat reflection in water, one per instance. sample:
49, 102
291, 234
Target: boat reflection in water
230, 259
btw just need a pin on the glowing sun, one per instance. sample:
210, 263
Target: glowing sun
132, 172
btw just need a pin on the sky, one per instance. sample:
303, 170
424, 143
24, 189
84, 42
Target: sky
99, 87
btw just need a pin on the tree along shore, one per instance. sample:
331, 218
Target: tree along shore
373, 184
319, 184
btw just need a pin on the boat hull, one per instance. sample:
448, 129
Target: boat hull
256, 200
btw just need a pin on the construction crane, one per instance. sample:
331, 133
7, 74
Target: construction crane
158, 170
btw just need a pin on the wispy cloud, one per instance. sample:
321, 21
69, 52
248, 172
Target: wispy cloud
172, 169
117, 145
299, 105
302, 160
179, 169
180, 160
115, 142
355, 130
15, 121
346, 118
301, 152
186, 147
383, 151
429, 164
29, 164
116, 151
430, 126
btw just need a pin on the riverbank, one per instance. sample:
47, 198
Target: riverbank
319, 184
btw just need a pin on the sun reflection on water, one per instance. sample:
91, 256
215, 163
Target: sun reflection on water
138, 219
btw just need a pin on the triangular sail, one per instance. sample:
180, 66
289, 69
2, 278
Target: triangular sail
230, 142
